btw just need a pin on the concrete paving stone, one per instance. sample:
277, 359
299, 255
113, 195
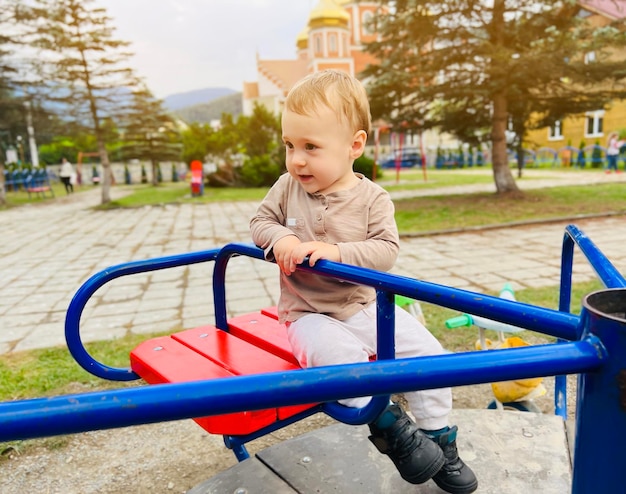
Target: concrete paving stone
197, 311
244, 293
160, 286
120, 293
197, 321
252, 304
100, 327
489, 279
538, 282
45, 335
95, 240
10, 331
10, 300
119, 308
582, 278
151, 304
170, 326
26, 308
452, 281
157, 317
168, 276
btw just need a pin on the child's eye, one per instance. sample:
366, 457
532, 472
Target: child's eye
310, 147
288, 145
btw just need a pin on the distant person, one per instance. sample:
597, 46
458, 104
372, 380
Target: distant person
322, 209
67, 170
612, 151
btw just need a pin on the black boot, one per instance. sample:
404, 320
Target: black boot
416, 457
455, 476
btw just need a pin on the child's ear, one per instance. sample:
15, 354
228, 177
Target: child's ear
358, 144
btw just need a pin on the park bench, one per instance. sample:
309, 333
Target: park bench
14, 180
37, 182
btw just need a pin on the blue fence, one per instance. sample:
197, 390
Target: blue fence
592, 344
591, 156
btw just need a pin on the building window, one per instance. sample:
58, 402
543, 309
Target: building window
590, 57
366, 23
593, 123
555, 132
318, 45
332, 43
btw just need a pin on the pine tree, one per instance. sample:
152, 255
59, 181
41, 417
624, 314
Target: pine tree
470, 67
84, 67
151, 134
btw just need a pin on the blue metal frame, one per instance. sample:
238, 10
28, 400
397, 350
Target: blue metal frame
592, 344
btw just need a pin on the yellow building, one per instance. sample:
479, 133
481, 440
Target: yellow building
595, 126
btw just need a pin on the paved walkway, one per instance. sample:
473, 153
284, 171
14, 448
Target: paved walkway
47, 251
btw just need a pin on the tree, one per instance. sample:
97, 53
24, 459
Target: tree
471, 67
261, 138
150, 133
84, 66
196, 142
5, 95
260, 132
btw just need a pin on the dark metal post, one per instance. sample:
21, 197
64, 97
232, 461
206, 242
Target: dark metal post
601, 411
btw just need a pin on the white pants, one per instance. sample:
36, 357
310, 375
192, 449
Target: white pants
319, 340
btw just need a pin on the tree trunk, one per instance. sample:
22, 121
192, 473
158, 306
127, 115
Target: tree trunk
105, 182
3, 198
502, 175
155, 178
521, 158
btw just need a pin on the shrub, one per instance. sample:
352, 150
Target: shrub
597, 156
259, 171
365, 165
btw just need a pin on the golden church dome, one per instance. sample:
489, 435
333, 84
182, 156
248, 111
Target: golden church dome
328, 13
302, 40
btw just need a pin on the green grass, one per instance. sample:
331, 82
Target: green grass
412, 179
20, 197
462, 339
426, 214
179, 193
53, 371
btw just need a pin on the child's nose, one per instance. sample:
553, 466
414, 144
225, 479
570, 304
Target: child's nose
298, 158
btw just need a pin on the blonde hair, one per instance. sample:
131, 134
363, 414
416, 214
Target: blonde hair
336, 90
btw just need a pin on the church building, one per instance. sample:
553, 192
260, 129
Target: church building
333, 38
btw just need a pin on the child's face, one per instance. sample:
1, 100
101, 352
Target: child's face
321, 150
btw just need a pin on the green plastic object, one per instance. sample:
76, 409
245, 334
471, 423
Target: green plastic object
459, 321
402, 301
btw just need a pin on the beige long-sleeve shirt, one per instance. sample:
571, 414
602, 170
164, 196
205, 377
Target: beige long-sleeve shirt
360, 221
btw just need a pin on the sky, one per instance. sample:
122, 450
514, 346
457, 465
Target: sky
182, 45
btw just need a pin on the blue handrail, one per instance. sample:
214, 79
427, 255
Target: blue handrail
43, 417
592, 344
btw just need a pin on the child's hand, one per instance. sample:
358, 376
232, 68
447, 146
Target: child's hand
289, 252
283, 250
315, 251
